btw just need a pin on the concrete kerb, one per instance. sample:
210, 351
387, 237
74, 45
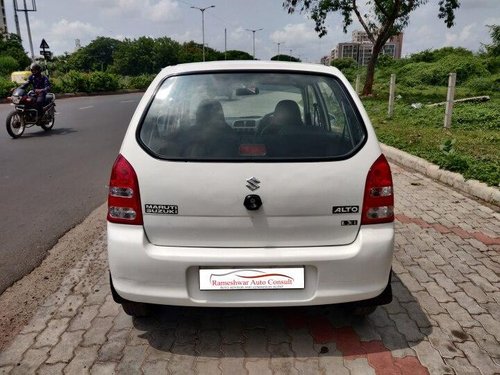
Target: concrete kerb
474, 188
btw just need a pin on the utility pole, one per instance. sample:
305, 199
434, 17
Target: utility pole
16, 20
202, 10
253, 32
25, 9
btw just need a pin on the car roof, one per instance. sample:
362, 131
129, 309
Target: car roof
248, 65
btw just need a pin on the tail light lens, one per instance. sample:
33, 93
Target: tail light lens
378, 202
124, 201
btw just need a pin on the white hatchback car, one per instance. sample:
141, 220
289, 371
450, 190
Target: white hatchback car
250, 183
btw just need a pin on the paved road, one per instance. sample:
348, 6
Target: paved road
443, 320
50, 181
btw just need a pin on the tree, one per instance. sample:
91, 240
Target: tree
134, 57
237, 55
282, 57
98, 55
166, 52
381, 20
11, 45
191, 52
494, 48
345, 63
60, 64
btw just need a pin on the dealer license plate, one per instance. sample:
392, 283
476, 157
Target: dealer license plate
251, 278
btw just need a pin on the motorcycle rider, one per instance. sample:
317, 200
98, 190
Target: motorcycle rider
41, 85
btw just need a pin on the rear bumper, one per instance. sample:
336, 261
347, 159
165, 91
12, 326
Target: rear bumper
143, 272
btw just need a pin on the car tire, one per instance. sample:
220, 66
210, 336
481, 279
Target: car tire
362, 311
136, 309
364, 308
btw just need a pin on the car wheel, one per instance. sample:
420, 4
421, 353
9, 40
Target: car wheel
136, 309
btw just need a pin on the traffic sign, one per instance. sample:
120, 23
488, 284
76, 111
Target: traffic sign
46, 54
44, 44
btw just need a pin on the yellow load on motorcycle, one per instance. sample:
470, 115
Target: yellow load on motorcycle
20, 77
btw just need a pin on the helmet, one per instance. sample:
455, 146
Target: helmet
35, 68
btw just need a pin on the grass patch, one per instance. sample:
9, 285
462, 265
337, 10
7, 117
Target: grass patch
471, 147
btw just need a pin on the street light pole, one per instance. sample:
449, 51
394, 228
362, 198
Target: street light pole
279, 43
253, 32
202, 10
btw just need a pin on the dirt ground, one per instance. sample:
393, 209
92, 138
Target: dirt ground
19, 302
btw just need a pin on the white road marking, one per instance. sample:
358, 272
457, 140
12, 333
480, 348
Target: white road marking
127, 101
90, 106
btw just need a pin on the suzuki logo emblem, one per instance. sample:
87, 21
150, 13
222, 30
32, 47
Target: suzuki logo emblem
253, 183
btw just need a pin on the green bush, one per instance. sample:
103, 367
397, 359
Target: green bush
345, 63
386, 61
454, 163
482, 85
140, 82
436, 73
8, 64
487, 171
430, 56
418, 73
426, 56
101, 81
465, 66
56, 85
348, 66
493, 64
75, 81
6, 85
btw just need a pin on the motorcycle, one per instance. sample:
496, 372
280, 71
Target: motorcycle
25, 114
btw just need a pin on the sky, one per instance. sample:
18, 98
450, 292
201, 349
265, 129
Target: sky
61, 23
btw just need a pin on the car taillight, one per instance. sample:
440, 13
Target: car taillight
378, 202
124, 201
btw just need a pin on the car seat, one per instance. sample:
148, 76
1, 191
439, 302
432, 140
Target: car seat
286, 118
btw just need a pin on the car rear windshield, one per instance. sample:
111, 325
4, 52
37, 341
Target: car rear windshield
250, 117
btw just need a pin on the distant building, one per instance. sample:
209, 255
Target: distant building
360, 49
3, 19
326, 60
360, 37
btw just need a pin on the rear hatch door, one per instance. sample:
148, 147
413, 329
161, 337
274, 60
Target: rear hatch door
202, 204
